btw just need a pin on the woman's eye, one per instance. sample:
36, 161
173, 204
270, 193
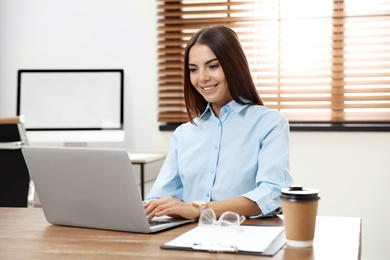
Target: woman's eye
213, 66
192, 69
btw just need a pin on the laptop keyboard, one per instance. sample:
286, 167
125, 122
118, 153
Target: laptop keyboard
158, 222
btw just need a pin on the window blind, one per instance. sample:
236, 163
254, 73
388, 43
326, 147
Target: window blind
315, 61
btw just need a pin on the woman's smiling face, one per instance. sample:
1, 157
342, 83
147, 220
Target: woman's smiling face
207, 76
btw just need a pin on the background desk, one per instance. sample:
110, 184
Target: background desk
25, 234
142, 159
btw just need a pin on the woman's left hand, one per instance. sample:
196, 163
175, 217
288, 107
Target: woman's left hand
170, 207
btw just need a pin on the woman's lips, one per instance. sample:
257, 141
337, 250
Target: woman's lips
209, 88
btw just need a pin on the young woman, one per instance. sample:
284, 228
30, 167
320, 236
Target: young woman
233, 155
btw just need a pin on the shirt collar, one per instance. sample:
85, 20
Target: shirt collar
236, 107
208, 109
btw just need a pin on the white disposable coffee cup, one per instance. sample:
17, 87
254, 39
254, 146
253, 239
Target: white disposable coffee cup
300, 211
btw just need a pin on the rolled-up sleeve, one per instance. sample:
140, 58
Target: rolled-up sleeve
273, 172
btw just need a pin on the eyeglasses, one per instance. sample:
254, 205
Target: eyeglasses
228, 220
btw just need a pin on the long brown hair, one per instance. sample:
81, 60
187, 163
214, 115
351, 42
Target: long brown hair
226, 46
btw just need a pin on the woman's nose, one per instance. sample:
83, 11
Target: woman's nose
204, 76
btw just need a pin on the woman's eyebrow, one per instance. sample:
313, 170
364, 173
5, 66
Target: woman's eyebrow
207, 62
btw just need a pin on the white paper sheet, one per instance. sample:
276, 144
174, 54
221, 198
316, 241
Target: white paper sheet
251, 239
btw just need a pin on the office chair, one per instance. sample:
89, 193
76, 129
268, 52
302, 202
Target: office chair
16, 187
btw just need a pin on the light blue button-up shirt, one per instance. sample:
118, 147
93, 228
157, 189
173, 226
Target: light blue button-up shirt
245, 152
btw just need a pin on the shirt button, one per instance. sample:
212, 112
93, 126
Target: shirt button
268, 207
207, 195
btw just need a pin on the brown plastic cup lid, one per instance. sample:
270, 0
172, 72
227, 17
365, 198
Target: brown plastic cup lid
297, 193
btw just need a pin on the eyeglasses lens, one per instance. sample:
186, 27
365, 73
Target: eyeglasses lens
208, 217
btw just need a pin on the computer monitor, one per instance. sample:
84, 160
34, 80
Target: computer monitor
73, 107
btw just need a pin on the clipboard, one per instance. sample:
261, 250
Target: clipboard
262, 240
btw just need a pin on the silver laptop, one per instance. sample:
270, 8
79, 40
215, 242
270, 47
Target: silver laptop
92, 188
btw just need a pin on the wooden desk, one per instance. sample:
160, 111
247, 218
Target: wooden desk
142, 159
25, 234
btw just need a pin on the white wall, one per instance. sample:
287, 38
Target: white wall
352, 172
351, 169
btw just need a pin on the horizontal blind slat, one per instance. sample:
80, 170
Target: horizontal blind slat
337, 71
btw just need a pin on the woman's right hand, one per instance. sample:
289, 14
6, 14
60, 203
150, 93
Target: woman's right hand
170, 207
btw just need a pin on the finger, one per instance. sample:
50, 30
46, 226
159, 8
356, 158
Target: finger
150, 207
157, 207
162, 207
156, 213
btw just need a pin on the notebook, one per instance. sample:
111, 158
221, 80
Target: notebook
92, 188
